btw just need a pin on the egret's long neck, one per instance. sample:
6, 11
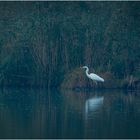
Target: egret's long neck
87, 70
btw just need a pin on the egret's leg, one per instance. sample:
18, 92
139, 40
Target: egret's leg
95, 82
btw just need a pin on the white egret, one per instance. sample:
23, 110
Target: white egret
93, 76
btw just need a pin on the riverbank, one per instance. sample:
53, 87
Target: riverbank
78, 79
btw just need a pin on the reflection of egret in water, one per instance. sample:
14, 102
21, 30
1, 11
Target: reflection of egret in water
92, 105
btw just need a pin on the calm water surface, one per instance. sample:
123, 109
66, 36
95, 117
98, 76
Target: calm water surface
30, 113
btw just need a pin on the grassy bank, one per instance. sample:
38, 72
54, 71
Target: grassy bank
78, 79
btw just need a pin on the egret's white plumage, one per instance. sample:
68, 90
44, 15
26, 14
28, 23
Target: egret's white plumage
93, 76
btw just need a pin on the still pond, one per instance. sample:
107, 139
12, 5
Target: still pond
32, 113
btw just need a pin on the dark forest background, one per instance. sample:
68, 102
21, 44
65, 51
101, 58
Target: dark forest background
42, 42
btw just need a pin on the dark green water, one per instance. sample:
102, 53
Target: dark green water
28, 113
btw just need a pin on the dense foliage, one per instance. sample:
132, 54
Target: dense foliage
41, 42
